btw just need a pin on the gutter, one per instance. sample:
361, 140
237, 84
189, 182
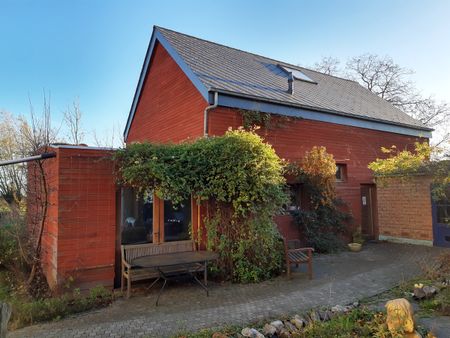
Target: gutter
205, 114
43, 156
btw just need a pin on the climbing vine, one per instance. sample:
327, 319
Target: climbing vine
255, 119
237, 177
406, 164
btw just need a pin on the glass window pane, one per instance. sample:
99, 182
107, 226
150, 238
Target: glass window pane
137, 217
177, 220
443, 213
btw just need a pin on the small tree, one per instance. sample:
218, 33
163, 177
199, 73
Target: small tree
322, 222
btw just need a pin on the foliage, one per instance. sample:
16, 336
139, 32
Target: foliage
323, 226
405, 164
33, 311
11, 234
255, 119
324, 222
357, 323
237, 176
250, 250
252, 118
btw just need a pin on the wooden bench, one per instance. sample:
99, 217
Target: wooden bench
295, 254
132, 251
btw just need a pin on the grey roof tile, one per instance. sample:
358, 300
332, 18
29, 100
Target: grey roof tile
232, 70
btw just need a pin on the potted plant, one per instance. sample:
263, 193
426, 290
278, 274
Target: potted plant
357, 242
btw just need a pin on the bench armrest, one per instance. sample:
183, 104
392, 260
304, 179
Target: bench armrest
125, 264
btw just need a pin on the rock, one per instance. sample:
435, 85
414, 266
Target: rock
324, 315
219, 335
419, 293
290, 327
278, 324
338, 308
400, 316
298, 321
314, 315
269, 330
429, 291
5, 314
251, 333
355, 304
284, 333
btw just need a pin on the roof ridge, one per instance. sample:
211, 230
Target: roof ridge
259, 55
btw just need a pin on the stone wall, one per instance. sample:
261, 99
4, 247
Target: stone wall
404, 210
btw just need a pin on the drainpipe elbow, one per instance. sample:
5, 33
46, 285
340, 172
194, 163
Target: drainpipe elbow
205, 114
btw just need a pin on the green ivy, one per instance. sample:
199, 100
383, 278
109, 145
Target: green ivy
237, 176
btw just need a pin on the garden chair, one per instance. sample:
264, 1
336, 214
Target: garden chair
295, 254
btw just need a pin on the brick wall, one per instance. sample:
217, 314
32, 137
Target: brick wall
404, 209
79, 234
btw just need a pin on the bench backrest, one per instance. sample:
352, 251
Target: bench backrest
133, 251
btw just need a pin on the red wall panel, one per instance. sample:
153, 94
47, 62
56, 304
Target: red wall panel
170, 108
355, 147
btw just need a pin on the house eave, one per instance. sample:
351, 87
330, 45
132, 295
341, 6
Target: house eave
248, 102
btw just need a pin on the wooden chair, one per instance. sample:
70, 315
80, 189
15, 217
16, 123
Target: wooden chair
295, 254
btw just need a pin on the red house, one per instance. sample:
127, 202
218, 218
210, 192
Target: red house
189, 88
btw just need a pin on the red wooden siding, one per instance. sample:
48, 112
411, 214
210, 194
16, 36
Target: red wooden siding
79, 235
170, 108
355, 147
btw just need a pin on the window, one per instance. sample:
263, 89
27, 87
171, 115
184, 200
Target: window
137, 217
297, 74
341, 172
177, 220
295, 201
443, 212
139, 225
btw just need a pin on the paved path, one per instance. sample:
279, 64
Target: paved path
339, 279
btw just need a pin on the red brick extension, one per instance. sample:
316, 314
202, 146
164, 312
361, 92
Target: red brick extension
80, 232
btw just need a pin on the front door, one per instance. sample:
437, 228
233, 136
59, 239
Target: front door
367, 211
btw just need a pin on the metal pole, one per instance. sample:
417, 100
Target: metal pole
28, 159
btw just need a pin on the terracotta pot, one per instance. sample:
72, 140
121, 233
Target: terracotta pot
355, 247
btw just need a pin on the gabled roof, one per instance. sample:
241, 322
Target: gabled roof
236, 73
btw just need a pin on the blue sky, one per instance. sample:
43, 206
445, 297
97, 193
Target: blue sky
94, 49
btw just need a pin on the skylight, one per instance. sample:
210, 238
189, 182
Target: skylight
298, 75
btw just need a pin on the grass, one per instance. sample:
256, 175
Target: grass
27, 310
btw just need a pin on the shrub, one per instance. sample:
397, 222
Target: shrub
33, 311
323, 222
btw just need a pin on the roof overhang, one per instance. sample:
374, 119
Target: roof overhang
158, 37
233, 100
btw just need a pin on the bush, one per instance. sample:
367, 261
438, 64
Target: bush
30, 312
322, 222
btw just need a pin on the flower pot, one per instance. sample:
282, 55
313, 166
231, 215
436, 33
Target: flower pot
355, 247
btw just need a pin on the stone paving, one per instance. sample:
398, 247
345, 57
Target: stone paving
338, 279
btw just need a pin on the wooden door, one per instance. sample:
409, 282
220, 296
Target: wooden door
367, 211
